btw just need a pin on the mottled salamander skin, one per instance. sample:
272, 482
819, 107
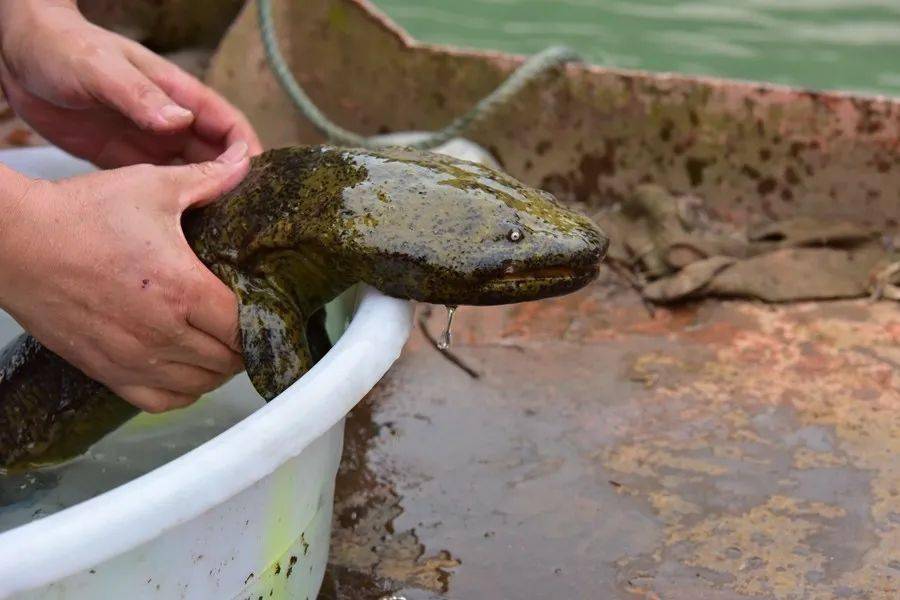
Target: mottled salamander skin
305, 224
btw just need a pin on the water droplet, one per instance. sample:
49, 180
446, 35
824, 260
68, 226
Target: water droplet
447, 336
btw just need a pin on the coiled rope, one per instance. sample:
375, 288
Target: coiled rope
531, 69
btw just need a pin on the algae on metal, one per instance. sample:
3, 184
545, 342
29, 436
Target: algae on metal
304, 225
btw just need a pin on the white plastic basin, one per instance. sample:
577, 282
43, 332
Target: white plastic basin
244, 515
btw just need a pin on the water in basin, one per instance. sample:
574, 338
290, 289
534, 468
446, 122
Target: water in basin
141, 445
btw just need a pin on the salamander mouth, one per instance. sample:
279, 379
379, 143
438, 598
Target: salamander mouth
548, 274
535, 283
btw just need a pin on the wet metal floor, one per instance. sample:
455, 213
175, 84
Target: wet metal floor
719, 450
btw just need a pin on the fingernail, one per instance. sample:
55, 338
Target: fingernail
235, 153
173, 112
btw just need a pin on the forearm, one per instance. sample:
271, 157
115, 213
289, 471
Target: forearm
13, 194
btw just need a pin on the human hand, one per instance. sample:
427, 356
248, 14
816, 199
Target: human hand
105, 98
97, 268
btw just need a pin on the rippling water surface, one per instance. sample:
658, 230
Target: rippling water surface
826, 44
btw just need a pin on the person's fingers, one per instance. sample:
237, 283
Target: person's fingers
130, 146
222, 115
98, 134
199, 184
116, 82
66, 126
153, 400
214, 310
123, 150
200, 349
215, 119
6, 79
194, 149
187, 379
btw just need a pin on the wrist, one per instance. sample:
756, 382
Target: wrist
26, 8
21, 207
24, 17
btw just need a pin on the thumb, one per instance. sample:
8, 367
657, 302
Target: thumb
202, 183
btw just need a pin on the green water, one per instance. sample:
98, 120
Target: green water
826, 44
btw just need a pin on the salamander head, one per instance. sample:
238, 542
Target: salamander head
436, 229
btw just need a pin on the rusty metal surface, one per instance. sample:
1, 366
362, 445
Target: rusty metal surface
719, 450
751, 150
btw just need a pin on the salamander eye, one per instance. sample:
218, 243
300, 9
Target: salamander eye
515, 234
